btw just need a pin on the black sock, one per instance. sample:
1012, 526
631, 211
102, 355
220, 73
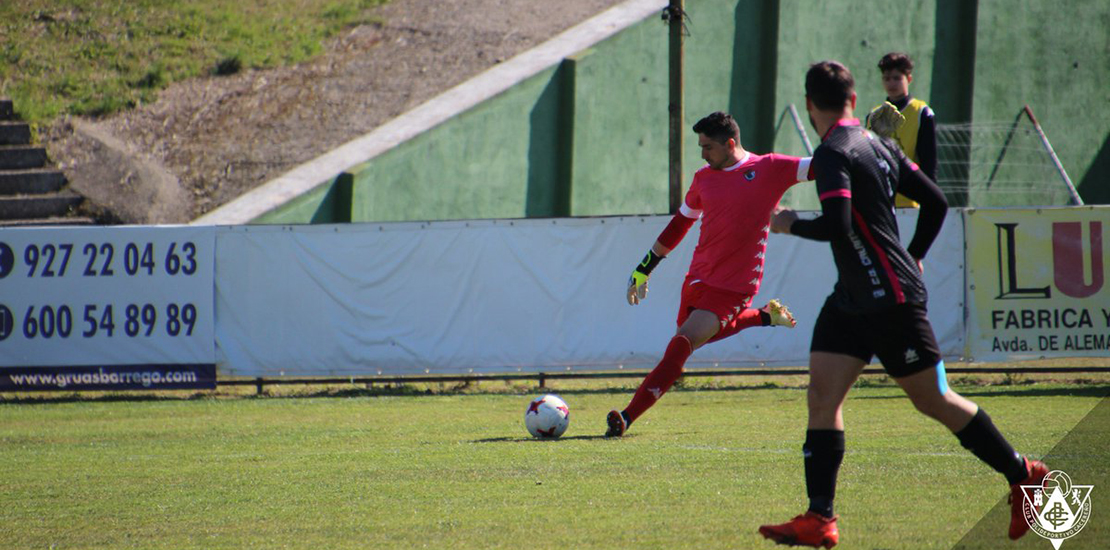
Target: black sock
985, 442
823, 452
765, 318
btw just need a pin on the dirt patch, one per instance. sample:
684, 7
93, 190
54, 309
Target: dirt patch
209, 140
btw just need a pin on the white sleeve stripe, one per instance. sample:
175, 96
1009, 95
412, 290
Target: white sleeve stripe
803, 168
689, 212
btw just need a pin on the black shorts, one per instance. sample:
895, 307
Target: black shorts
900, 336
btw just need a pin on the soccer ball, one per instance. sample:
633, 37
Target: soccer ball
547, 417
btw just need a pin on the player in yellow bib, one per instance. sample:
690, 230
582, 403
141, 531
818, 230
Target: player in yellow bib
917, 135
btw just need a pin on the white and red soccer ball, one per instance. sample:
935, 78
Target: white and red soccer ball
547, 417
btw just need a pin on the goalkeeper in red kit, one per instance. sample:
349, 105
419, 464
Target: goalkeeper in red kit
734, 196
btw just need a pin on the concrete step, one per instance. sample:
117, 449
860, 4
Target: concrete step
38, 222
7, 111
14, 133
26, 207
19, 157
34, 181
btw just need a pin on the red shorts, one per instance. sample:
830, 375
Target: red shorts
725, 304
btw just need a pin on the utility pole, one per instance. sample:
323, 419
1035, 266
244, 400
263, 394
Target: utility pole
674, 14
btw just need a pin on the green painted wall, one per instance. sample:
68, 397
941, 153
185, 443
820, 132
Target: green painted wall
589, 137
328, 203
620, 152
619, 163
1055, 57
476, 165
856, 34
754, 29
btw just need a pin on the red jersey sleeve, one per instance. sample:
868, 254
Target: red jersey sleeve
691, 206
791, 170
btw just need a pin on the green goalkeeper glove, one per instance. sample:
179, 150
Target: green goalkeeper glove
885, 120
637, 283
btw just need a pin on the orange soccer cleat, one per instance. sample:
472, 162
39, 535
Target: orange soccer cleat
1037, 472
808, 529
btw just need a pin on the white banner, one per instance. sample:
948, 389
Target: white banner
806, 275
505, 296
106, 296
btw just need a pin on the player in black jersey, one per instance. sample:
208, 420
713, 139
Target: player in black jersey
878, 305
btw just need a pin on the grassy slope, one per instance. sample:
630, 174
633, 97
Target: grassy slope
93, 57
702, 470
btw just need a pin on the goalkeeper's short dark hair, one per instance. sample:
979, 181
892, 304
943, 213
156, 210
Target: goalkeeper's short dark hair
719, 127
829, 85
896, 61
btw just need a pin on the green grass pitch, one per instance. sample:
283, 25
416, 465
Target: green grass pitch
703, 469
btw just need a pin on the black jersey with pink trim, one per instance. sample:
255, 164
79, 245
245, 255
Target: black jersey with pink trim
875, 270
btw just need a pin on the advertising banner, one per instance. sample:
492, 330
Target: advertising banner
1036, 283
506, 296
106, 308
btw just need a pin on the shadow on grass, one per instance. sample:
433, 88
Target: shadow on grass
38, 399
404, 390
1030, 390
538, 440
407, 390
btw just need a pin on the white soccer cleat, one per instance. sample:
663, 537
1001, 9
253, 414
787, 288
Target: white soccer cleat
780, 315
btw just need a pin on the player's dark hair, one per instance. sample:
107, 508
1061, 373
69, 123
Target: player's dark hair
896, 61
829, 85
719, 127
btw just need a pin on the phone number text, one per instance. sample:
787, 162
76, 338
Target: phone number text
104, 260
100, 320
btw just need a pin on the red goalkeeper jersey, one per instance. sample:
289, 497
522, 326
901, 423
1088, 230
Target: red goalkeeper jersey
735, 207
